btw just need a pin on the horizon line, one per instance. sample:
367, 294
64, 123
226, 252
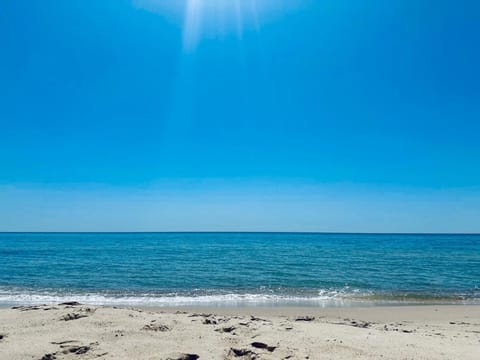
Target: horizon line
239, 232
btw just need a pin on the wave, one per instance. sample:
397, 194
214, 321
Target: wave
231, 299
321, 298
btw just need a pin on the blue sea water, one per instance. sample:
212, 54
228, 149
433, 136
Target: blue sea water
238, 269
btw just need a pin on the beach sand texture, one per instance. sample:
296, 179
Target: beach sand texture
75, 331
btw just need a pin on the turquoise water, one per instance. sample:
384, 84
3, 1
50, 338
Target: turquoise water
237, 269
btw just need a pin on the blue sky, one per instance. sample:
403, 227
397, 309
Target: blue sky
294, 115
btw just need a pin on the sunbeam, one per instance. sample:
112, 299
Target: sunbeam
218, 18
215, 19
193, 17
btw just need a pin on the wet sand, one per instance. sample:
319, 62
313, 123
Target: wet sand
86, 332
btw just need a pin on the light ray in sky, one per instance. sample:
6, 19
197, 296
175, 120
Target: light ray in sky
214, 18
193, 17
239, 19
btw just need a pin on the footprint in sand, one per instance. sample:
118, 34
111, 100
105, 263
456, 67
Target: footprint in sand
48, 357
66, 347
260, 345
242, 353
305, 318
156, 327
182, 356
77, 350
72, 316
227, 329
81, 313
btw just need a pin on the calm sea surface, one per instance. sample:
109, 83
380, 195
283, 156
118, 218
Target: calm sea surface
238, 269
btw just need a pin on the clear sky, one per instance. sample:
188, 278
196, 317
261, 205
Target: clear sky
269, 115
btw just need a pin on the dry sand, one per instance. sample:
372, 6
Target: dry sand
86, 332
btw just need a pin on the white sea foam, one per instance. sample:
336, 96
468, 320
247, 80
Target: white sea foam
320, 298
324, 298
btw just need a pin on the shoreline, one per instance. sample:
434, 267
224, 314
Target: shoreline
76, 331
154, 304
230, 300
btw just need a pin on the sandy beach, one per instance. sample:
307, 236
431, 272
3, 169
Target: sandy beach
75, 331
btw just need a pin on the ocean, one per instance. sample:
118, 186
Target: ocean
239, 269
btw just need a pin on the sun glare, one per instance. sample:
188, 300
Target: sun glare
217, 18
214, 19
